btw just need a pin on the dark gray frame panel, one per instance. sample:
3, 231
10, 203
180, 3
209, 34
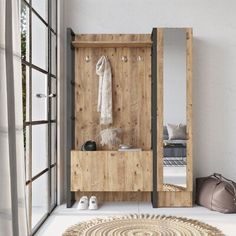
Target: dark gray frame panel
154, 114
70, 78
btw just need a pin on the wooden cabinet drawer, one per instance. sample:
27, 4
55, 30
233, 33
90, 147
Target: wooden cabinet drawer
111, 171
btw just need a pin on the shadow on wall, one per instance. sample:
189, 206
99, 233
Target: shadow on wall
212, 110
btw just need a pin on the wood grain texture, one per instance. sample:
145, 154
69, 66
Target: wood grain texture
189, 40
175, 199
111, 44
111, 171
122, 38
131, 91
180, 198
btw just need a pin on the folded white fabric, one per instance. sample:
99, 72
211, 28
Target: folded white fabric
103, 69
93, 204
83, 203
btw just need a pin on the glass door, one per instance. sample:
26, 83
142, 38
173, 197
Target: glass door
39, 79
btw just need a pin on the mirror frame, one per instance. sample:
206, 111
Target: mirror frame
174, 198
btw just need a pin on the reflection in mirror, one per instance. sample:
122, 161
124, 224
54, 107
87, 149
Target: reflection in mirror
174, 95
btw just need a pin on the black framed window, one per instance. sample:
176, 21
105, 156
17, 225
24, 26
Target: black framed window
39, 80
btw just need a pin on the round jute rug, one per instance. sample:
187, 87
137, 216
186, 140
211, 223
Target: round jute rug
142, 225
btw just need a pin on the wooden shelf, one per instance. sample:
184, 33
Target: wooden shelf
111, 44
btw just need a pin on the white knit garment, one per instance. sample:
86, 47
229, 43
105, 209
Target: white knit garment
103, 70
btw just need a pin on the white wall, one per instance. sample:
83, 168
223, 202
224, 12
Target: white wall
214, 81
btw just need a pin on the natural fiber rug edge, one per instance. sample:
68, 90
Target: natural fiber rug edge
213, 231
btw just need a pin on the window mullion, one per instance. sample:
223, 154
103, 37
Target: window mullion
30, 115
49, 106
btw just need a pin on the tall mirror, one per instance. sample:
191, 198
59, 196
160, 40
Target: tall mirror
174, 110
172, 71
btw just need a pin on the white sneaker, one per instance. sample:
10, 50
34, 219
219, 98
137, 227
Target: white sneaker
93, 204
83, 203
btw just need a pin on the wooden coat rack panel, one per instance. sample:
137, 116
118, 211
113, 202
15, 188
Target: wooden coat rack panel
131, 90
130, 60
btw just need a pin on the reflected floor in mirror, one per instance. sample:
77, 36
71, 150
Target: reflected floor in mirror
175, 175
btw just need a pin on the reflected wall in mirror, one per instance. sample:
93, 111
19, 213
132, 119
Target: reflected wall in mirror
174, 109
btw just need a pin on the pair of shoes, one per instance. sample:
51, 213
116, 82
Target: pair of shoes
85, 204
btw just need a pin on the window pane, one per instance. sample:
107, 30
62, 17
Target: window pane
39, 95
28, 202
25, 92
53, 14
39, 148
41, 7
53, 187
39, 43
39, 198
53, 99
27, 151
53, 54
25, 32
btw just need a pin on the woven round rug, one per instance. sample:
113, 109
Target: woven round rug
142, 225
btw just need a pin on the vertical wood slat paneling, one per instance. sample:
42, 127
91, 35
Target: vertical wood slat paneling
189, 40
174, 198
103, 171
131, 109
131, 92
